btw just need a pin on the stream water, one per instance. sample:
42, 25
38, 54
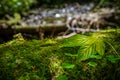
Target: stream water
45, 15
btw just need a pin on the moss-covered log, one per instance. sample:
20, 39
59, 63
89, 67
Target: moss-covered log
48, 29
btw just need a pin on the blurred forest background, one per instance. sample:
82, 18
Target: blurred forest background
12, 6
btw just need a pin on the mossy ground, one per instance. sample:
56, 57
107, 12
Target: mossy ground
46, 60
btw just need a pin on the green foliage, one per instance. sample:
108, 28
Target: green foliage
93, 64
96, 56
16, 19
62, 77
68, 65
89, 45
74, 41
14, 6
111, 58
108, 3
118, 3
58, 60
13, 21
92, 44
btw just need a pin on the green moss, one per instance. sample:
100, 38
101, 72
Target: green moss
44, 59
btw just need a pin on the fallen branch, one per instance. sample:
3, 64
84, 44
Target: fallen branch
67, 36
79, 30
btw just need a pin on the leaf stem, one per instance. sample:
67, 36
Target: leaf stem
113, 49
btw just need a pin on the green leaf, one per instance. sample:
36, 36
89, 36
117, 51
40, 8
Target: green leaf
111, 58
74, 41
68, 65
86, 51
96, 56
72, 55
99, 43
100, 47
94, 44
93, 64
62, 77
